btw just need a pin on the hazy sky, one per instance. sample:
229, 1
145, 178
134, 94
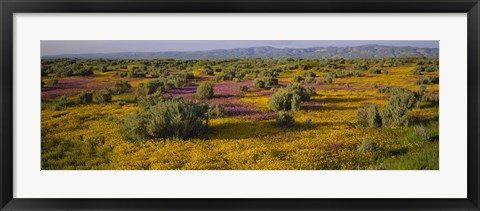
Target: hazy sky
55, 47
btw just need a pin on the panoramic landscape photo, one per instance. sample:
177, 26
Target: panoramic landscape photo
239, 105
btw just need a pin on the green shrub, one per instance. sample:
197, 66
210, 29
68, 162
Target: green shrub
121, 103
373, 117
173, 118
102, 97
258, 83
103, 69
360, 66
328, 79
270, 81
428, 80
305, 93
431, 68
120, 87
208, 72
433, 79
421, 81
421, 90
332, 66
368, 146
384, 89
310, 80
416, 72
374, 71
85, 97
283, 119
296, 100
154, 86
85, 71
64, 102
136, 73
434, 100
158, 73
204, 91
403, 97
216, 111
395, 113
307, 74
51, 82
297, 79
423, 133
284, 100
243, 88
150, 100
120, 74
308, 122
362, 113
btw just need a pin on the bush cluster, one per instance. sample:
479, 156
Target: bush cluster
395, 112
290, 97
172, 118
370, 115
428, 80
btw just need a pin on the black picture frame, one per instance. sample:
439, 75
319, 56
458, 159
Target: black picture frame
9, 7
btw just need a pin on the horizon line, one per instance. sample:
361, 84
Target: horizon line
120, 52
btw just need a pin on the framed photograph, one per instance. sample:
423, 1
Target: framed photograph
264, 105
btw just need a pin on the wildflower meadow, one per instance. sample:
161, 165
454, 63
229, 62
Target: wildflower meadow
240, 114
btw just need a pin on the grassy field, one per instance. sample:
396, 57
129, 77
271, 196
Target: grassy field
326, 134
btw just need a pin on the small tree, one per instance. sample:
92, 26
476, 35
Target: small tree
205, 91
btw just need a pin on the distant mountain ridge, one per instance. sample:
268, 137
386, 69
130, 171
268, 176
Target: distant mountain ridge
364, 51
